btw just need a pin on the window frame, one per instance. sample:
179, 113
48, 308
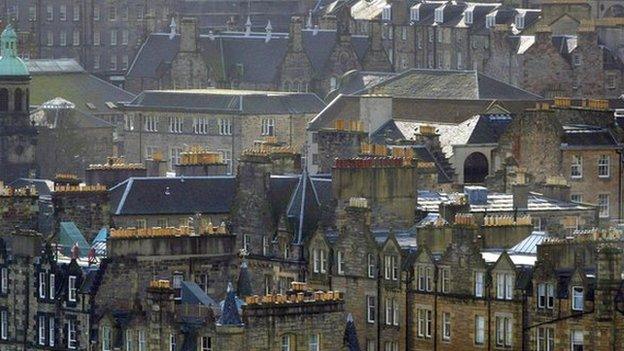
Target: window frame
576, 167
576, 296
446, 326
71, 288
371, 308
604, 166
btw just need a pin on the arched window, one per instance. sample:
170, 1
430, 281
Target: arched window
4, 99
19, 100
475, 168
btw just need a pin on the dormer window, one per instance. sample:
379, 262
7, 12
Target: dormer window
520, 21
490, 20
386, 13
415, 14
578, 298
504, 286
545, 295
439, 15
468, 16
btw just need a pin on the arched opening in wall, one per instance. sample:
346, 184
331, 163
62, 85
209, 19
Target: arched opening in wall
19, 100
4, 99
475, 168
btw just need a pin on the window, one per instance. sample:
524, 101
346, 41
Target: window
63, 13
468, 15
142, 341
545, 339
429, 279
125, 35
96, 13
4, 280
247, 242
51, 331
76, 13
439, 14
52, 287
129, 340
63, 38
172, 342
49, 13
42, 330
50, 40
323, 261
387, 265
545, 295
371, 266
576, 198
576, 167
42, 285
603, 166
422, 280
112, 13
490, 20
71, 334
226, 155
603, 205
32, 13
577, 298
71, 288
314, 342
403, 33
386, 13
206, 343
96, 62
395, 268
96, 38
370, 309
577, 342
113, 37
340, 262
415, 14
139, 12
478, 284
316, 260
4, 324
519, 20
504, 286
141, 222
175, 124
151, 124
265, 246
503, 331
200, 125
371, 345
76, 38
479, 330
424, 323
388, 318
445, 279
577, 59
113, 63
611, 82
225, 126
124, 62
286, 343
107, 339
268, 126
446, 326
124, 14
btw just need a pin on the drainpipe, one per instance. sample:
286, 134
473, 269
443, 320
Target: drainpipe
619, 152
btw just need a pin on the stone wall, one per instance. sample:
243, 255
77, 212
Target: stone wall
89, 210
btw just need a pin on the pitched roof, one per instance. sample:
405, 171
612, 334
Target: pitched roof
44, 187
178, 195
229, 311
448, 84
489, 128
69, 234
192, 294
88, 93
228, 101
588, 136
158, 49
528, 246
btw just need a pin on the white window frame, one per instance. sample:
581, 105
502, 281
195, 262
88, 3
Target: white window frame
286, 343
225, 126
387, 263
125, 37
76, 11
371, 308
504, 333
97, 38
71, 288
129, 340
71, 334
63, 13
51, 331
490, 20
323, 261
340, 262
42, 285
314, 342
107, 339
578, 298
4, 280
415, 14
446, 326
76, 37
388, 318
316, 261
268, 127
479, 283
175, 155
504, 286
265, 245
577, 59
371, 266
545, 339
113, 37
604, 166
576, 167
468, 15
445, 279
429, 278
176, 124
201, 125
52, 286
386, 13
41, 335
4, 325
577, 338
578, 198
142, 341
395, 312
438, 14
63, 38
172, 342
395, 267
479, 330
424, 323
206, 343
603, 205
519, 20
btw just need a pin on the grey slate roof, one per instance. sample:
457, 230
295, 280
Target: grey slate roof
448, 84
588, 136
43, 186
528, 246
489, 128
159, 49
229, 101
179, 195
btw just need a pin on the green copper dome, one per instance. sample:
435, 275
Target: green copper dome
10, 63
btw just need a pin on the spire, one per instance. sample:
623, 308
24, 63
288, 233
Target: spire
248, 26
229, 310
173, 28
243, 285
350, 340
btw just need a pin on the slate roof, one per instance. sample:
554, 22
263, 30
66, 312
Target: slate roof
588, 136
499, 202
355, 81
448, 84
489, 128
178, 195
44, 187
192, 294
528, 246
159, 49
62, 79
228, 101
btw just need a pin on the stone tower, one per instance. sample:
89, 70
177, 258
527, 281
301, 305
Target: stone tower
17, 134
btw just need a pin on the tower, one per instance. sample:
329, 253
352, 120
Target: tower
17, 134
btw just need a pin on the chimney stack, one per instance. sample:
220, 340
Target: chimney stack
189, 34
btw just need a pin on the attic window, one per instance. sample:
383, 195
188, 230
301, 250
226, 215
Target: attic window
468, 16
90, 106
415, 14
439, 15
490, 20
520, 21
111, 105
386, 13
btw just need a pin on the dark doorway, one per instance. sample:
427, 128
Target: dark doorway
475, 168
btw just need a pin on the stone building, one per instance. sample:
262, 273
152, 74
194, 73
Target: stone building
17, 135
168, 122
